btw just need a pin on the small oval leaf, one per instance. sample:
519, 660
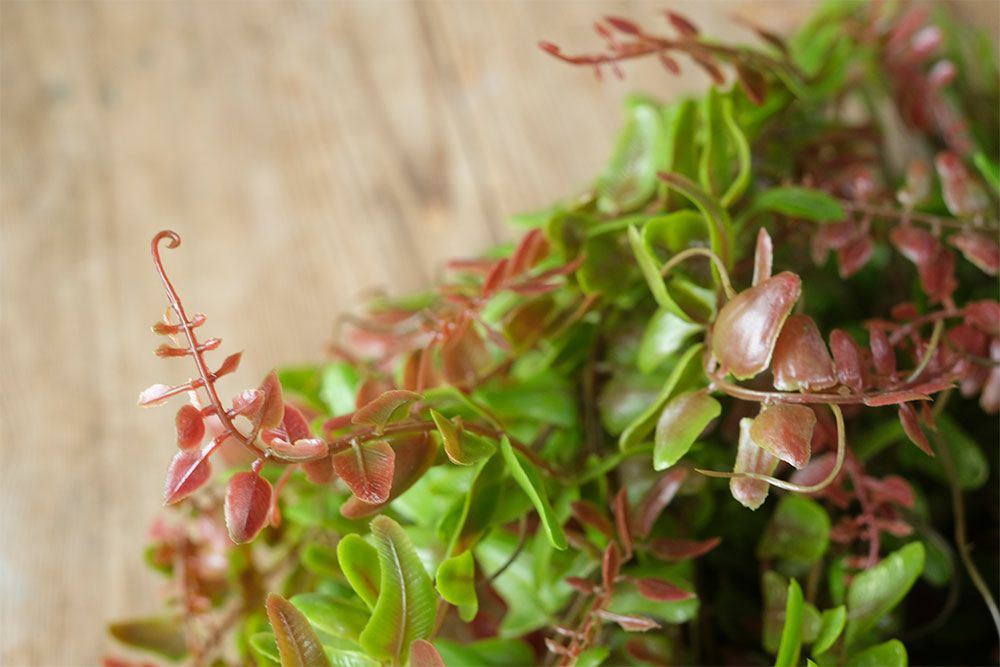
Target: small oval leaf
367, 469
359, 562
683, 419
248, 502
298, 644
190, 426
527, 477
389, 407
785, 430
189, 471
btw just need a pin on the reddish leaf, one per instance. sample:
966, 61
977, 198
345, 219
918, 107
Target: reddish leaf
463, 354
248, 403
752, 83
918, 184
891, 489
710, 68
166, 351
674, 548
320, 471
785, 430
882, 353
962, 195
610, 565
916, 245
189, 471
494, 279
190, 426
660, 590
894, 397
414, 456
751, 493
248, 501
229, 364
157, 394
621, 511
628, 622
979, 249
623, 25
801, 361
532, 249
295, 424
423, 654
273, 405
669, 63
685, 27
657, 498
747, 327
984, 315
298, 644
367, 469
848, 359
937, 275
852, 257
582, 585
587, 514
908, 418
763, 257
393, 405
301, 451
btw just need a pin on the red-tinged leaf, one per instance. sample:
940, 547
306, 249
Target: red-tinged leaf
848, 359
785, 430
674, 548
165, 351
190, 426
911, 425
298, 644
801, 361
463, 354
918, 184
962, 195
587, 514
628, 622
891, 489
337, 423
320, 471
660, 590
367, 469
248, 403
763, 257
620, 509
301, 451
611, 564
295, 424
161, 635
819, 468
710, 68
916, 245
937, 275
581, 585
933, 386
657, 498
229, 364
984, 315
751, 493
548, 47
685, 27
423, 654
979, 249
882, 354
942, 73
622, 25
495, 278
532, 249
669, 63
896, 527
273, 404
248, 502
189, 471
904, 312
895, 397
392, 406
746, 329
157, 394
753, 84
414, 456
852, 257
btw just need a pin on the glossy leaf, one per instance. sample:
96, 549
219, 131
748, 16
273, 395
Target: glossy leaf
189, 471
527, 477
763, 257
890, 654
163, 636
848, 358
367, 469
751, 493
360, 565
831, 625
650, 269
657, 498
273, 407
801, 360
675, 548
629, 179
389, 407
413, 456
456, 582
686, 372
799, 530
660, 590
746, 329
665, 334
797, 202
683, 419
340, 617
785, 431
248, 503
791, 634
461, 448
190, 427
628, 622
298, 644
404, 611
911, 426
875, 592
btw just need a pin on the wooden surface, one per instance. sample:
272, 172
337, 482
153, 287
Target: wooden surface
307, 154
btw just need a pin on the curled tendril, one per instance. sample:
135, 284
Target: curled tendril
790, 486
727, 285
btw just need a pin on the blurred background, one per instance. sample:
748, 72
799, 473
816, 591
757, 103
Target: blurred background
308, 154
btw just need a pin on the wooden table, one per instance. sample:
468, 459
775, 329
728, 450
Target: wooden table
308, 154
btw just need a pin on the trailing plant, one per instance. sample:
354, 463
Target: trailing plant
568, 452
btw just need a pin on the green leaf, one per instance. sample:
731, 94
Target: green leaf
527, 477
682, 421
342, 658
831, 625
462, 448
797, 202
264, 645
320, 560
713, 167
651, 272
486, 652
791, 635
687, 373
624, 397
298, 644
876, 592
716, 217
890, 654
680, 120
340, 617
456, 582
971, 468
593, 657
738, 186
989, 170
359, 562
629, 179
163, 636
339, 387
405, 607
799, 530
664, 335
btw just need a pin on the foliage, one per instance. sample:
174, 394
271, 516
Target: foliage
532, 462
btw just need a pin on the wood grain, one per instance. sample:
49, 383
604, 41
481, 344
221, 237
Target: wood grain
308, 154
